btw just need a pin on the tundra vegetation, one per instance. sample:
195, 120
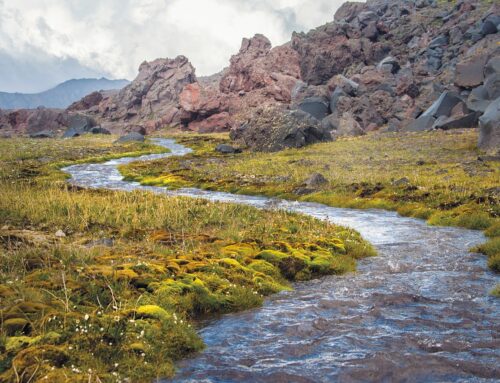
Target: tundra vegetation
439, 176
105, 286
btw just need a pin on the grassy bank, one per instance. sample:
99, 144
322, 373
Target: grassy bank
100, 286
438, 176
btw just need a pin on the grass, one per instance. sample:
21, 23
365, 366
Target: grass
436, 176
118, 296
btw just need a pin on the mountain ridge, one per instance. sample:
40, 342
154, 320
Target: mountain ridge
60, 96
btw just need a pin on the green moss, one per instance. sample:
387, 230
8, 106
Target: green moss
153, 311
264, 267
272, 256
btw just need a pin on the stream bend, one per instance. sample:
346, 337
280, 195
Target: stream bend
419, 312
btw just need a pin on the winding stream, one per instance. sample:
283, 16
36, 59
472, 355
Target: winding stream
419, 312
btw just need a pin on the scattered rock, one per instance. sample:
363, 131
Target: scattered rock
226, 149
489, 127
315, 180
470, 73
401, 182
60, 234
131, 137
43, 134
99, 130
315, 106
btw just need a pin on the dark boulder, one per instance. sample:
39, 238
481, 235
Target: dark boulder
490, 25
470, 73
443, 105
492, 66
226, 149
315, 106
99, 130
71, 133
439, 41
131, 137
43, 134
489, 127
457, 122
274, 129
421, 124
80, 122
334, 99
492, 86
389, 64
478, 99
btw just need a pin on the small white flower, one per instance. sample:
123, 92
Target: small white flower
87, 316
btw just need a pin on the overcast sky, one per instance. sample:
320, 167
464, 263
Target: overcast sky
45, 42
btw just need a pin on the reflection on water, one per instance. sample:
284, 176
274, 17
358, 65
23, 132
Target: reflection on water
419, 312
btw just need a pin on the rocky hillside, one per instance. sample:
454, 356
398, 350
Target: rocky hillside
377, 66
60, 96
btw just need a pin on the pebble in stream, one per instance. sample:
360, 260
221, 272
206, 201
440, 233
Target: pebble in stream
419, 312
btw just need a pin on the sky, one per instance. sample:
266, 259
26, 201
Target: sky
45, 42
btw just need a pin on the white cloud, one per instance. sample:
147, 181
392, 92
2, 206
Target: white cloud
112, 37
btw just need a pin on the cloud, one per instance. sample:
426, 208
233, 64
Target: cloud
112, 37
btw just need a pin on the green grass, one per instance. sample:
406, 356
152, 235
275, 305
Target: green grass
74, 312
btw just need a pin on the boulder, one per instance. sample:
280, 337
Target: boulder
80, 122
492, 66
348, 126
389, 64
470, 73
443, 105
274, 129
438, 41
71, 133
348, 11
489, 127
492, 86
43, 134
226, 149
315, 106
457, 122
99, 130
478, 99
422, 123
131, 137
334, 99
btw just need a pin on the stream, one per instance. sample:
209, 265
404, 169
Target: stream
418, 312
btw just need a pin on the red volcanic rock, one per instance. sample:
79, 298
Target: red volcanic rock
257, 66
220, 122
29, 121
204, 101
89, 101
151, 100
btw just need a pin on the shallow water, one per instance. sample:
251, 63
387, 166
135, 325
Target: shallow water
419, 312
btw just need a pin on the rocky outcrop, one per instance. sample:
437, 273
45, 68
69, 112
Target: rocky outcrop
90, 101
150, 101
258, 67
274, 129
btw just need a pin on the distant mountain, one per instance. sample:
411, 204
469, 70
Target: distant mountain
59, 97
